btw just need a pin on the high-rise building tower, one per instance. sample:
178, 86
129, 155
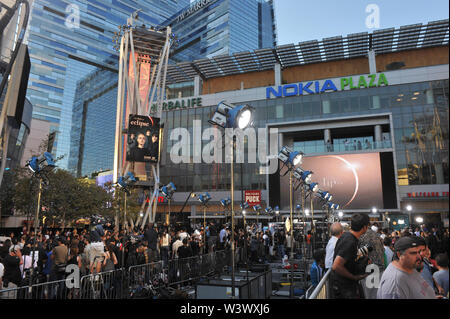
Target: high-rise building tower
208, 28
204, 28
68, 40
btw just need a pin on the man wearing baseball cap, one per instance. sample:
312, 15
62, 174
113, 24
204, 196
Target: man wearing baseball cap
401, 280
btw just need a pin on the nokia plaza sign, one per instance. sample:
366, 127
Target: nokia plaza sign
316, 87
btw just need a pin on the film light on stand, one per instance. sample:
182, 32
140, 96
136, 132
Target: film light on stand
228, 115
125, 182
168, 190
304, 176
43, 163
290, 157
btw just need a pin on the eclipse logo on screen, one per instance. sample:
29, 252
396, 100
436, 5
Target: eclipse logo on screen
354, 180
355, 175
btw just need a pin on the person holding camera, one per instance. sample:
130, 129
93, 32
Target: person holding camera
376, 255
11, 276
347, 269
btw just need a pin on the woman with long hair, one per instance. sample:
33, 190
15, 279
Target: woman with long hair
110, 259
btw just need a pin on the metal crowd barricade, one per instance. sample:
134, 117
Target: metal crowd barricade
143, 280
103, 285
14, 293
146, 280
323, 289
183, 269
48, 290
53, 290
188, 269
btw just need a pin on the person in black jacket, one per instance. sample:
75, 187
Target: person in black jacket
139, 153
185, 251
151, 236
154, 148
12, 277
212, 237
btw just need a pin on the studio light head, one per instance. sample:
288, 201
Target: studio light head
228, 115
288, 156
168, 190
204, 198
325, 195
126, 181
44, 163
257, 208
333, 206
244, 205
314, 187
277, 210
225, 202
302, 175
298, 207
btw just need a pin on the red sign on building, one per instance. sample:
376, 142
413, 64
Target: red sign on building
253, 197
428, 194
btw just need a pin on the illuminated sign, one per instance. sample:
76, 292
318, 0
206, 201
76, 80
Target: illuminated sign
161, 199
253, 198
194, 8
428, 194
180, 104
316, 87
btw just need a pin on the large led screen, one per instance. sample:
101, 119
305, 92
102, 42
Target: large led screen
354, 180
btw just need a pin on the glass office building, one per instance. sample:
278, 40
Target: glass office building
419, 112
207, 28
393, 119
93, 123
210, 28
70, 39
340, 102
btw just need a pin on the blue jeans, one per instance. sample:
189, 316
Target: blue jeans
281, 251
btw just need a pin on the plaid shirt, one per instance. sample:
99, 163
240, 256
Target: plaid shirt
377, 254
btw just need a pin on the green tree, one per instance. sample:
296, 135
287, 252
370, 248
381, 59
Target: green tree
64, 196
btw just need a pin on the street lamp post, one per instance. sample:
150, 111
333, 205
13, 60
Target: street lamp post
409, 209
40, 166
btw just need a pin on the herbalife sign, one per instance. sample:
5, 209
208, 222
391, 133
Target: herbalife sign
187, 103
315, 87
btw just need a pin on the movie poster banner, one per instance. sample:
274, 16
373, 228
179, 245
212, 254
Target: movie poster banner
143, 139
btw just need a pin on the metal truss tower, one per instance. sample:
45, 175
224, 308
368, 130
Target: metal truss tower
140, 45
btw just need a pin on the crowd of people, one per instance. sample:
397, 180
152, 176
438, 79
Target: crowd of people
405, 259
410, 264
100, 248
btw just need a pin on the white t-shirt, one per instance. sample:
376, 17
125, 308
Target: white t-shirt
2, 270
183, 235
27, 263
329, 252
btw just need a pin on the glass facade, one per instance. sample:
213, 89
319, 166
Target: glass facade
222, 26
70, 39
267, 26
93, 123
219, 27
420, 113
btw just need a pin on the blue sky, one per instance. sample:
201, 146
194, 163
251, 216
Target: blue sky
301, 20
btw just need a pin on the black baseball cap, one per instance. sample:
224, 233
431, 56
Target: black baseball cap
408, 242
